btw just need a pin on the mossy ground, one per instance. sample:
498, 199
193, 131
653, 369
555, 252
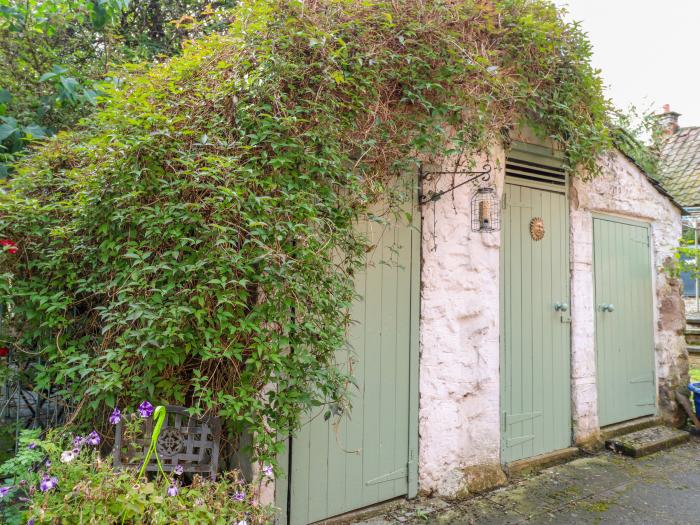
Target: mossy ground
662, 488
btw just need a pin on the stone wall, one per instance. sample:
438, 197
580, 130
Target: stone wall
459, 341
459, 331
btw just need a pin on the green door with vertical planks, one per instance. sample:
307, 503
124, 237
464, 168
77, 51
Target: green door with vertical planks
535, 370
624, 320
369, 455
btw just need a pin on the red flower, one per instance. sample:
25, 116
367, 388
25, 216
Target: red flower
12, 246
4, 351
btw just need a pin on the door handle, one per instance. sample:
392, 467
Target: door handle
561, 307
607, 307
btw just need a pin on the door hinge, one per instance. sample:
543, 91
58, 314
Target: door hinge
391, 476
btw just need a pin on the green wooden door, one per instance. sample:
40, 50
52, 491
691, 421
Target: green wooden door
624, 320
535, 370
340, 466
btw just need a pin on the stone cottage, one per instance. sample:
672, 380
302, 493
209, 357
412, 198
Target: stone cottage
492, 331
680, 173
680, 160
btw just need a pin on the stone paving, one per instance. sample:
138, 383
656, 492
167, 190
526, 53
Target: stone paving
663, 488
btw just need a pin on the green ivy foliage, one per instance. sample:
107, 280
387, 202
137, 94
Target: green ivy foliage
194, 243
56, 54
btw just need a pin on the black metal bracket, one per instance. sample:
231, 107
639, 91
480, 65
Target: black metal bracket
481, 176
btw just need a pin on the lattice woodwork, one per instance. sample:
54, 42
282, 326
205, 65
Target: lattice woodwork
184, 440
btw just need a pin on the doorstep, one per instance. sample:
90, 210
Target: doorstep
647, 441
627, 427
526, 466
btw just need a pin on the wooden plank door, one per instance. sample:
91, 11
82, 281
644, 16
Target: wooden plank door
535, 370
624, 320
342, 465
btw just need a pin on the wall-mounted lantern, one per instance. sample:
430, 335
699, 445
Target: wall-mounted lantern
485, 207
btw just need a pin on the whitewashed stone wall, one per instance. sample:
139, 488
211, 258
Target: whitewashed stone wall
459, 331
459, 341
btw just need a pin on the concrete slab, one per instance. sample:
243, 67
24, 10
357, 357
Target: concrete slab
647, 441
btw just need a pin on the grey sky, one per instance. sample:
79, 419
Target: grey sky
648, 51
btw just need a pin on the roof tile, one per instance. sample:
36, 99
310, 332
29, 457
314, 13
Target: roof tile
680, 166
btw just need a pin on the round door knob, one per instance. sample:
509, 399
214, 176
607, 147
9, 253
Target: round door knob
561, 307
610, 308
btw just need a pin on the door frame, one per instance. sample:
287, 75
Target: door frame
647, 225
555, 158
283, 483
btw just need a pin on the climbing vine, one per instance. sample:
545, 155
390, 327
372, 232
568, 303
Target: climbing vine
193, 243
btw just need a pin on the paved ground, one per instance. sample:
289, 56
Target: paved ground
660, 489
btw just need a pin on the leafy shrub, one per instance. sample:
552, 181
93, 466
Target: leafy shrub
194, 242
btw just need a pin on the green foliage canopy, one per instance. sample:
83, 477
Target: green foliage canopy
56, 54
194, 242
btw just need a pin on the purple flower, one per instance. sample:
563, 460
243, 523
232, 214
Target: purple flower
116, 416
31, 521
268, 471
78, 441
48, 463
4, 491
145, 409
47, 483
31, 446
93, 439
178, 470
173, 490
239, 496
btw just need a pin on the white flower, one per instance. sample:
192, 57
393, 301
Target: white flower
67, 456
243, 522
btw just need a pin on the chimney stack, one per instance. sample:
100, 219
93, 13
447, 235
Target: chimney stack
669, 120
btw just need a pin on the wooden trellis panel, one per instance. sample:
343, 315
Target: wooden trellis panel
184, 440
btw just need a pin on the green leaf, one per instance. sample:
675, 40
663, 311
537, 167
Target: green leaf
7, 130
35, 131
55, 72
